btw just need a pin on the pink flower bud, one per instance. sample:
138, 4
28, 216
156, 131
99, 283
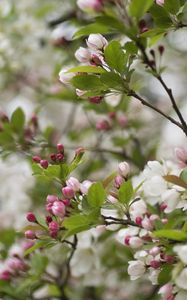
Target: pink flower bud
60, 148
181, 155
53, 157
44, 164
166, 291
73, 183
53, 229
48, 219
123, 121
58, 209
65, 77
160, 2
163, 206
155, 264
146, 223
66, 202
27, 244
154, 251
103, 125
31, 217
36, 159
127, 240
118, 181
124, 169
96, 41
48, 207
51, 198
29, 234
16, 264
85, 185
135, 242
5, 275
68, 192
60, 157
90, 5
83, 55
96, 60
138, 221
96, 99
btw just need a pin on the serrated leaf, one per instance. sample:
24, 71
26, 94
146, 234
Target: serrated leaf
96, 195
113, 81
138, 8
165, 275
92, 28
126, 192
87, 82
172, 6
87, 69
183, 176
172, 234
115, 56
18, 120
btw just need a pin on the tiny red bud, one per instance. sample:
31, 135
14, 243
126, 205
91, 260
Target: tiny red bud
161, 49
44, 163
66, 202
60, 156
36, 159
127, 240
138, 221
96, 99
31, 217
53, 157
112, 114
60, 147
155, 264
29, 234
163, 206
48, 219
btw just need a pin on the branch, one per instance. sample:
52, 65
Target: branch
168, 90
144, 102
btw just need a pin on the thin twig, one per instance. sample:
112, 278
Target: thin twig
168, 90
144, 102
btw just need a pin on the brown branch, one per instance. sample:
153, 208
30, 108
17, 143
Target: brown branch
144, 102
167, 90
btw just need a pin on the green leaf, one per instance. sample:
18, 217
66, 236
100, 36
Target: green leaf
38, 264
18, 120
96, 195
87, 69
112, 22
115, 56
160, 16
165, 275
172, 6
138, 8
126, 192
78, 223
38, 245
113, 81
87, 82
172, 234
183, 176
92, 28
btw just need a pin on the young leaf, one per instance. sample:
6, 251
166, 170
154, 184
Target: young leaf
138, 8
87, 69
92, 28
172, 234
183, 176
165, 275
172, 6
18, 119
176, 180
87, 82
113, 80
126, 192
115, 56
96, 195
